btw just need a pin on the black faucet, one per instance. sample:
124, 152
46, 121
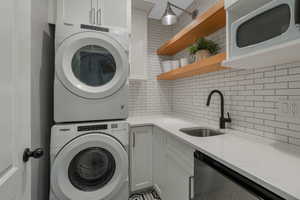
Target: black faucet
223, 120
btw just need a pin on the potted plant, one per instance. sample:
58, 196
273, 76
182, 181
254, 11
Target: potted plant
203, 48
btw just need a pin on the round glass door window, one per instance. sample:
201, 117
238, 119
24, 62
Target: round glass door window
93, 65
91, 169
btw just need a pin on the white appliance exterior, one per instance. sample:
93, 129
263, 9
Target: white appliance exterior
292, 33
76, 101
69, 140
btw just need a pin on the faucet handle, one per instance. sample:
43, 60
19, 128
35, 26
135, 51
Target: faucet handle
228, 119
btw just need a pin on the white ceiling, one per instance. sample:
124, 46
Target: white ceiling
160, 6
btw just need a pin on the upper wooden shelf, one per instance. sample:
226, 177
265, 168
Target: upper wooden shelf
209, 22
211, 64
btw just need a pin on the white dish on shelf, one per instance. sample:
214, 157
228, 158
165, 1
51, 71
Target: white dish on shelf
184, 62
175, 64
166, 66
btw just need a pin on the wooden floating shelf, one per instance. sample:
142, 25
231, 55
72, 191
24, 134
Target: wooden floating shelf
211, 64
209, 22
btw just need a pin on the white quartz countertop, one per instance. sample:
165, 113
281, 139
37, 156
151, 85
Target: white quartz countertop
274, 165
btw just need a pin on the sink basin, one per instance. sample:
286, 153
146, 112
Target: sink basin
201, 132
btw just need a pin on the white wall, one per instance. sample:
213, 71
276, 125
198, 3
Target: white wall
41, 87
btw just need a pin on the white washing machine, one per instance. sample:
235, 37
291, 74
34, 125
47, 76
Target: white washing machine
90, 161
91, 72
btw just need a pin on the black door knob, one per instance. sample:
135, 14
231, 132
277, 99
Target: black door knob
38, 153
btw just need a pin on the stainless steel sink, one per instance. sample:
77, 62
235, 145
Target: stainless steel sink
201, 132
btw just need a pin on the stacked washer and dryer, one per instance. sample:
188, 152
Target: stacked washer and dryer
90, 141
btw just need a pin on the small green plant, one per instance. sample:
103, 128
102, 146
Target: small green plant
204, 44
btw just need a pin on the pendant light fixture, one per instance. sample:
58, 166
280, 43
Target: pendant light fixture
170, 18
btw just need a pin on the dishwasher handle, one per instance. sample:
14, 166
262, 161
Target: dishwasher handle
261, 192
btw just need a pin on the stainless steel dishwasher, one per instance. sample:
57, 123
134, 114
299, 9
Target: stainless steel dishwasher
214, 181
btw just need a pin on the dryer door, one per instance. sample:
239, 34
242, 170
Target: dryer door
92, 166
92, 65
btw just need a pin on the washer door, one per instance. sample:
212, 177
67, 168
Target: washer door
93, 166
92, 65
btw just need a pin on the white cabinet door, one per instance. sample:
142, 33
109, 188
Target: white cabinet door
139, 45
112, 13
159, 161
173, 167
141, 158
179, 170
178, 186
79, 11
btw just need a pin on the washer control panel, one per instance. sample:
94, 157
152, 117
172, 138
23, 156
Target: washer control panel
92, 127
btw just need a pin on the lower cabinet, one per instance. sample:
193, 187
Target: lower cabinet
179, 176
141, 158
160, 160
173, 167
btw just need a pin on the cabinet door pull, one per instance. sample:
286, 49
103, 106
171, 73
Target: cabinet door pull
133, 139
191, 195
99, 17
93, 16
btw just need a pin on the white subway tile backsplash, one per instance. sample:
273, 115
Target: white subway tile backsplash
295, 84
280, 138
287, 132
276, 124
289, 92
265, 80
294, 141
151, 96
295, 70
264, 104
275, 85
264, 92
295, 127
264, 128
288, 78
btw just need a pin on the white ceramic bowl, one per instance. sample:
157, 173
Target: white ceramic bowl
184, 62
167, 65
175, 64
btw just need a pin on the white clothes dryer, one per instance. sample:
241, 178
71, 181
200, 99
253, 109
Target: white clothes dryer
90, 161
91, 72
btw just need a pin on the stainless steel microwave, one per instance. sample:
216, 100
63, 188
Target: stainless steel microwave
273, 24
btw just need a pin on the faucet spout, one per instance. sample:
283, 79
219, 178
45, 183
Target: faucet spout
223, 120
